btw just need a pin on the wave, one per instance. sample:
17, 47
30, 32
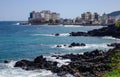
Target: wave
88, 46
72, 26
22, 24
42, 35
62, 34
16, 24
110, 38
97, 46
60, 60
8, 70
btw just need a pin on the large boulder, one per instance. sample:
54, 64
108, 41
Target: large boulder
57, 34
5, 61
78, 34
25, 64
76, 44
117, 45
39, 59
94, 53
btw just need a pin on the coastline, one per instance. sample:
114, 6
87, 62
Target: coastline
92, 64
65, 62
89, 64
26, 23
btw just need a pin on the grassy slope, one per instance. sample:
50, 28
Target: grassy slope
115, 64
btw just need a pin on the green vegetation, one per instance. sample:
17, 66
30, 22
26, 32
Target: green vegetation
115, 64
51, 21
117, 24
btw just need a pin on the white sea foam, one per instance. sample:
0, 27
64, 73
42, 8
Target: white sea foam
21, 24
110, 38
42, 35
103, 45
72, 26
60, 60
16, 24
88, 46
8, 70
62, 34
62, 46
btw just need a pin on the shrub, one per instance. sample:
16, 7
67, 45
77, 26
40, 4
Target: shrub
117, 24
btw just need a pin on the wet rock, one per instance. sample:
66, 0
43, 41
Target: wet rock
59, 46
111, 30
72, 45
23, 63
61, 74
57, 34
38, 63
117, 45
76, 44
65, 45
78, 34
88, 64
94, 53
39, 59
5, 61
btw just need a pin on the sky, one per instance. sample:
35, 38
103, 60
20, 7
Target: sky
18, 10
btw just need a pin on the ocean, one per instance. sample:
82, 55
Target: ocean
19, 42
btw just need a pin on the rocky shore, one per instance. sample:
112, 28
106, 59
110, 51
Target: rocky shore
110, 30
72, 45
88, 64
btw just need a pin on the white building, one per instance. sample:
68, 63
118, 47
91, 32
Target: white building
104, 19
45, 14
55, 16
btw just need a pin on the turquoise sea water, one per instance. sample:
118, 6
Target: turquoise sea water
26, 42
18, 41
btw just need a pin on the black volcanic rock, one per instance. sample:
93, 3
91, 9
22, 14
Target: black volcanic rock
117, 45
5, 61
88, 64
39, 59
72, 45
38, 63
25, 64
94, 53
76, 44
57, 34
78, 34
59, 46
111, 30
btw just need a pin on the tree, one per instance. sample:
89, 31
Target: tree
51, 21
117, 24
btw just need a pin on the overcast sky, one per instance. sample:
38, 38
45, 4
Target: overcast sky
19, 9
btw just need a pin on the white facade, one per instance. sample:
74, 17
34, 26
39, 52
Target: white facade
55, 16
104, 19
46, 15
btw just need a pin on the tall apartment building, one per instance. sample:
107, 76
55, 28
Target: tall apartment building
88, 17
44, 16
96, 16
55, 16
104, 19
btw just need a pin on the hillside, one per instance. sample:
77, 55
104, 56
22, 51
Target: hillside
114, 14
